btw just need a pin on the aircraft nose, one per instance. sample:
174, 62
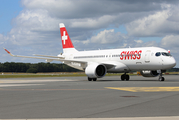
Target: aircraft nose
172, 62
169, 63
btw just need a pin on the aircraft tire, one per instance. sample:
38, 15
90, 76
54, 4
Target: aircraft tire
89, 79
123, 77
127, 77
94, 79
161, 79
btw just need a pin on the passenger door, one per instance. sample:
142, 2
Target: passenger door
147, 56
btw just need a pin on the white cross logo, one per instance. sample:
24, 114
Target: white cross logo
64, 37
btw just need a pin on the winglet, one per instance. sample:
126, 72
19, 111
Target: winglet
8, 52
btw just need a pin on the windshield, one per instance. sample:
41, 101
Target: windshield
166, 54
162, 53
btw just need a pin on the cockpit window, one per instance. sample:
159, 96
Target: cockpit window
158, 54
162, 53
166, 54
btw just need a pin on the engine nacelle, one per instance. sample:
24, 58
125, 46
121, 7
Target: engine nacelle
95, 70
149, 73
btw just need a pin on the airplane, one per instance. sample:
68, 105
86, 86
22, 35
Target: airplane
150, 61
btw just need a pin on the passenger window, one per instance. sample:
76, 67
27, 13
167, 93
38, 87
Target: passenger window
158, 54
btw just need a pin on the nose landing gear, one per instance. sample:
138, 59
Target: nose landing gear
161, 78
160, 75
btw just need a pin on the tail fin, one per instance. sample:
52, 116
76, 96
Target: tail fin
66, 41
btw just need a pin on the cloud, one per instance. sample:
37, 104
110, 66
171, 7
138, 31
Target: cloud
105, 37
159, 24
70, 9
170, 41
110, 39
94, 23
151, 25
92, 14
138, 41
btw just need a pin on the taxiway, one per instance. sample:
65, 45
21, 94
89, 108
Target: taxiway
75, 97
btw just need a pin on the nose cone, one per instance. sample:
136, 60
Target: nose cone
174, 62
169, 63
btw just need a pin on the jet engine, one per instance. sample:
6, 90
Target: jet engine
149, 73
95, 70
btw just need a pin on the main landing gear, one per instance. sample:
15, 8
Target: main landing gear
125, 77
90, 79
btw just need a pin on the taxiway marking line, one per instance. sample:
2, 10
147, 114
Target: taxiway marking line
146, 89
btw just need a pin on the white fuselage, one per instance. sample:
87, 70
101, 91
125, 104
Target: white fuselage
126, 59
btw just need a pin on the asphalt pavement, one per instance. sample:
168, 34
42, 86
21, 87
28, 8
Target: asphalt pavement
75, 97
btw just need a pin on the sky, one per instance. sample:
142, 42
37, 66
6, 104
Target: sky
30, 27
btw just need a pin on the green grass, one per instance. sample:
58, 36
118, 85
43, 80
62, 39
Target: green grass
25, 75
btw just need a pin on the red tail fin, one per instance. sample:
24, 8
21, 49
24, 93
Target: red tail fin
66, 41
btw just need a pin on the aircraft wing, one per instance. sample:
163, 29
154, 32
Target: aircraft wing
59, 58
46, 57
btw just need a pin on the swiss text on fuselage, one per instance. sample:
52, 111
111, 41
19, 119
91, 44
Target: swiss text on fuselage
132, 55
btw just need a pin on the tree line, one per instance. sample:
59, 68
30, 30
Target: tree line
43, 67
35, 67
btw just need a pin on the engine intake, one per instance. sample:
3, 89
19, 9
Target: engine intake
95, 70
149, 73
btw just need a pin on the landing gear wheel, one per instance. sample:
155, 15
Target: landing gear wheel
89, 79
161, 79
94, 79
125, 77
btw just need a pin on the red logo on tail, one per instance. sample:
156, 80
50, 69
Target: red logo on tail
66, 41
